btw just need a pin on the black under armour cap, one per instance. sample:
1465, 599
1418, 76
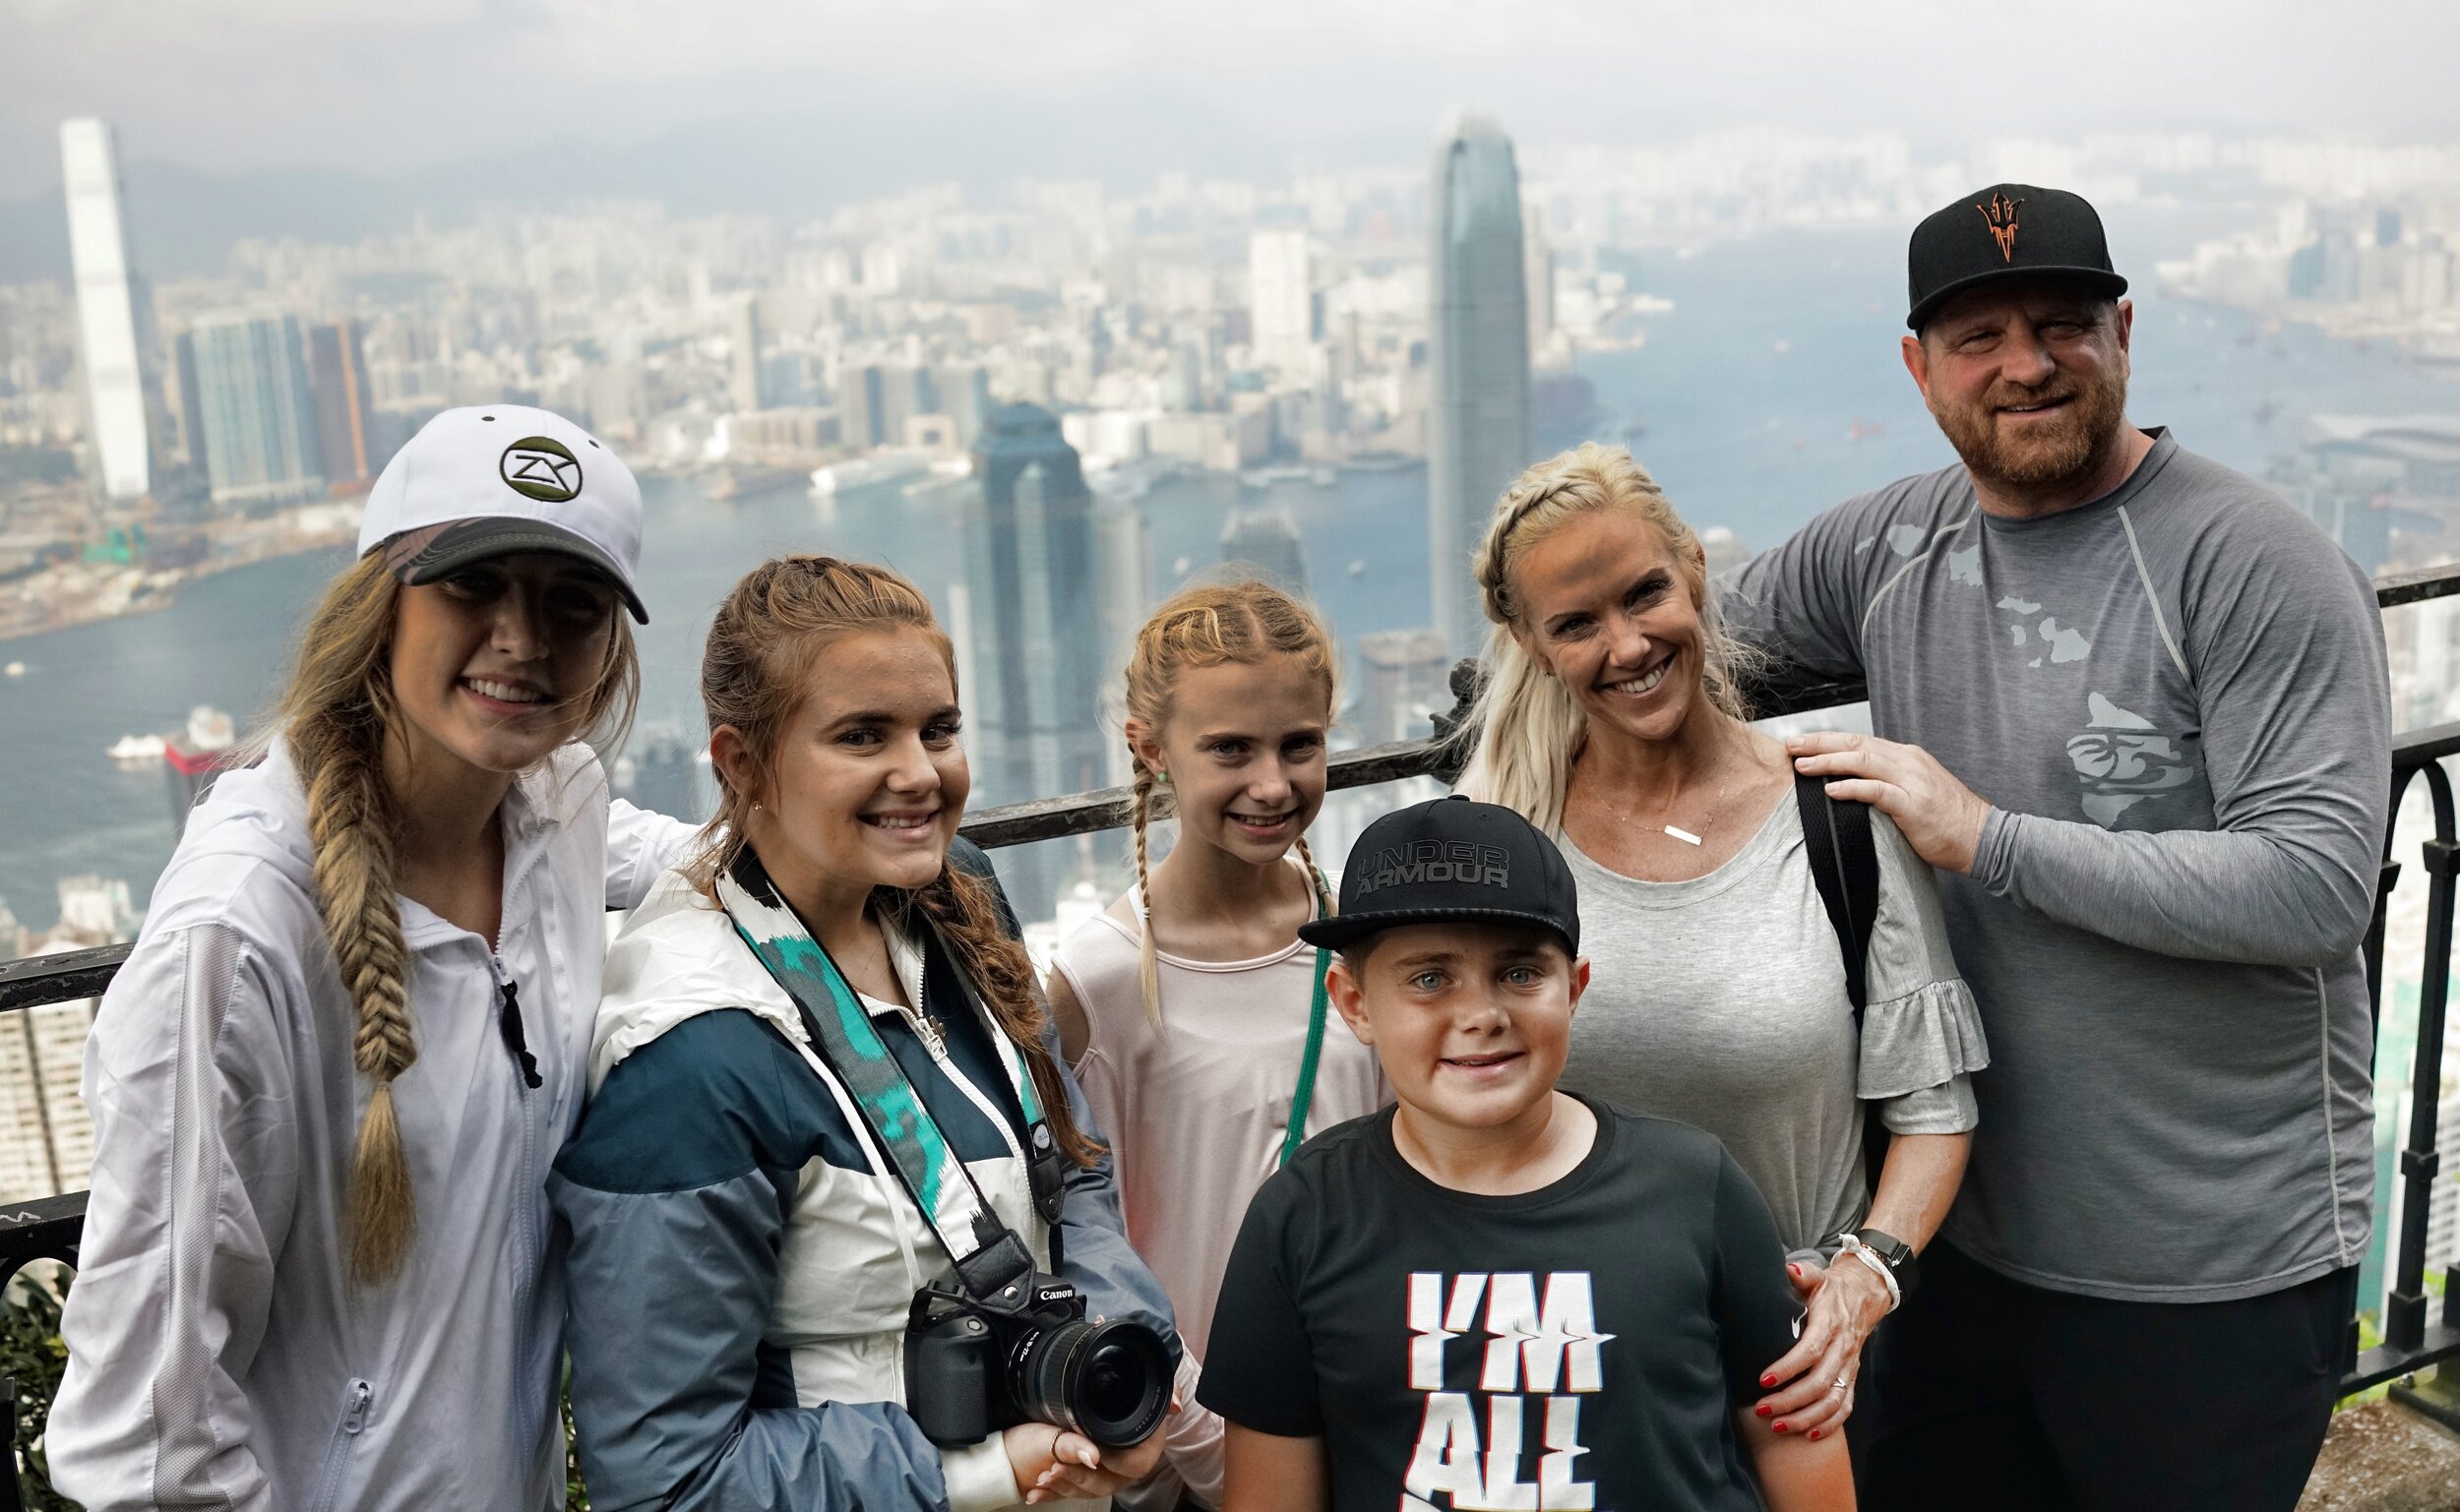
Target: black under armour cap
1450, 860
2006, 232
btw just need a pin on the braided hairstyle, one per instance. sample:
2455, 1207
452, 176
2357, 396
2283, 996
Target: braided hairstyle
1529, 726
766, 649
336, 717
1211, 625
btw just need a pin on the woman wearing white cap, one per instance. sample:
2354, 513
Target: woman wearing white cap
317, 1270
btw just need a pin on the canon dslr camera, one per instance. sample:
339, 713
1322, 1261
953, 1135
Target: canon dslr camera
974, 1367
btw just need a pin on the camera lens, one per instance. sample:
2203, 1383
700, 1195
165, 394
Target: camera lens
1109, 1381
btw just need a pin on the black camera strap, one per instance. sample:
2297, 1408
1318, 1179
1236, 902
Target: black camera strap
993, 1265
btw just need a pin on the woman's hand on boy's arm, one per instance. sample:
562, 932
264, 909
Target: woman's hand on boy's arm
1272, 1473
1847, 1301
1795, 1474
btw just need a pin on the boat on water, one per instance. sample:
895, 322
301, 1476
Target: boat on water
139, 748
1358, 567
14, 668
843, 477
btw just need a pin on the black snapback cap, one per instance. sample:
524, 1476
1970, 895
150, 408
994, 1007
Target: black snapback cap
1450, 860
2006, 232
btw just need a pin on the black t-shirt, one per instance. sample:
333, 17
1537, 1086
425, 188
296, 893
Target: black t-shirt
1580, 1345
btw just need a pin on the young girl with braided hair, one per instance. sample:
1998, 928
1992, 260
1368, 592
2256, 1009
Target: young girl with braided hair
1193, 1014
316, 1269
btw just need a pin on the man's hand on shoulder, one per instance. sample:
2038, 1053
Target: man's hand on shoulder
1939, 817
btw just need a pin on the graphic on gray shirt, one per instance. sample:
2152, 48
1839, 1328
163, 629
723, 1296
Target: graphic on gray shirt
2175, 699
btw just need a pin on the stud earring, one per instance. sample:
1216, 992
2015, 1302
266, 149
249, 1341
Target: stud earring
1162, 777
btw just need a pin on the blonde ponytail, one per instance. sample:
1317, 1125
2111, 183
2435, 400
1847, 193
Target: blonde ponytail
1529, 726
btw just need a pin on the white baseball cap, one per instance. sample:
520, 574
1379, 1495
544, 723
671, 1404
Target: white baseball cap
493, 479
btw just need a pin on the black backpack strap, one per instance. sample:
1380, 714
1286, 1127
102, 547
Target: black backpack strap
1845, 865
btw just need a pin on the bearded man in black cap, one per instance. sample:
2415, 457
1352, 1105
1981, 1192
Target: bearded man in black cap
2132, 706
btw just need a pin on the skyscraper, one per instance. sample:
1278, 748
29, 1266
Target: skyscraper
259, 417
1282, 303
345, 413
743, 384
1266, 540
1037, 657
113, 326
1478, 340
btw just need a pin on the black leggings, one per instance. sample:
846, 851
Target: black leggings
1990, 1394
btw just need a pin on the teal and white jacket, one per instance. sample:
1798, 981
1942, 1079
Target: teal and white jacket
741, 1258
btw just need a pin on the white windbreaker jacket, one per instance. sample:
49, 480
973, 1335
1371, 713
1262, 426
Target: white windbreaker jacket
216, 1356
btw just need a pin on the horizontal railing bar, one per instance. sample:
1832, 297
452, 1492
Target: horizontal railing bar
67, 977
2415, 586
63, 977
2385, 1363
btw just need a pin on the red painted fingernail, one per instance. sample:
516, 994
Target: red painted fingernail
1769, 1379
1764, 1409
1780, 1428
1814, 1433
1793, 1270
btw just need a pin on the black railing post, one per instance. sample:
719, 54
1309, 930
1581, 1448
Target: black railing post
2404, 1310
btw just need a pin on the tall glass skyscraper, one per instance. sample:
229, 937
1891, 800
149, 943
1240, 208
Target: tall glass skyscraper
257, 416
1478, 338
1036, 659
113, 330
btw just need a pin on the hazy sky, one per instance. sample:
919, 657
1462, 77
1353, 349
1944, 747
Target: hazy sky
228, 83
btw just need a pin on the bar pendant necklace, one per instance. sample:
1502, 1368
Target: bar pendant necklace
1684, 835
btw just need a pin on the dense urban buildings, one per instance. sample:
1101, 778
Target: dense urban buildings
258, 415
1478, 348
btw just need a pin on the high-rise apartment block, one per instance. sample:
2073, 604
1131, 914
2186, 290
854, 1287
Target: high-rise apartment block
743, 384
346, 414
258, 409
1281, 304
1408, 681
114, 324
1478, 340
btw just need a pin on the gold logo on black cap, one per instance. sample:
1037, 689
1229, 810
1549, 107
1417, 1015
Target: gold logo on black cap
2000, 216
541, 469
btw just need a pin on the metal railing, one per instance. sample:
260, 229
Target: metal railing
47, 1229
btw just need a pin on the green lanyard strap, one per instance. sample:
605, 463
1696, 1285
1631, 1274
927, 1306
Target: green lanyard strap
1296, 1134
985, 1250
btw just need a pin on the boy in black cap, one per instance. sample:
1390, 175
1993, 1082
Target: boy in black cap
1496, 1295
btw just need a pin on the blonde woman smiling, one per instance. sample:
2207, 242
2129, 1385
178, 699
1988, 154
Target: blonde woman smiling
1611, 720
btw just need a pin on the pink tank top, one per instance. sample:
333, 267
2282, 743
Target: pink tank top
1195, 1112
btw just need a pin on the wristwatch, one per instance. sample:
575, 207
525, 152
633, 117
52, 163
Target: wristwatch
1897, 1255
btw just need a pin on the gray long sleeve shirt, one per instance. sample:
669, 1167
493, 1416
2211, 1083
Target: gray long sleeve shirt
2176, 700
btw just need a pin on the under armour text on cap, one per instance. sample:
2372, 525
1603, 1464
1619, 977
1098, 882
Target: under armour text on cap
492, 479
2006, 232
1450, 860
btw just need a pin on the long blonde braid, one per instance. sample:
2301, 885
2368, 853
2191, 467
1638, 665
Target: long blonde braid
334, 717
1210, 624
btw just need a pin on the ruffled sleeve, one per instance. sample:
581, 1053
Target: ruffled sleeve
1922, 1033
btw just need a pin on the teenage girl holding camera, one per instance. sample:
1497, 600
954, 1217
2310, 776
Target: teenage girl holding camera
1193, 1015
747, 1242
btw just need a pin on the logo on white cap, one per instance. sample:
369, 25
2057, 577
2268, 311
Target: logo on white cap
541, 468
